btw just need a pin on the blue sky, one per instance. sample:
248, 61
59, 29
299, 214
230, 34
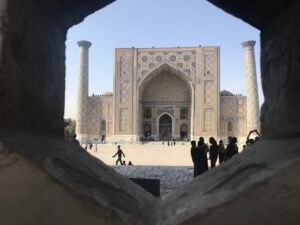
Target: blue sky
159, 23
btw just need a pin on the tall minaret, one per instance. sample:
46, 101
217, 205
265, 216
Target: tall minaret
83, 92
252, 91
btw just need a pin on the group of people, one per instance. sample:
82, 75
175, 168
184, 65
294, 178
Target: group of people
90, 147
216, 150
170, 143
251, 141
199, 151
87, 145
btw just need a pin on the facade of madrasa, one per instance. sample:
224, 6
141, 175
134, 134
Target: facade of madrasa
165, 93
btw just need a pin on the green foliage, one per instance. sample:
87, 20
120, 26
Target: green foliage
69, 126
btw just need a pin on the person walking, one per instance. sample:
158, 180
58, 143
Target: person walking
119, 153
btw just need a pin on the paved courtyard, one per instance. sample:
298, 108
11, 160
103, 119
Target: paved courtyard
170, 177
151, 154
171, 164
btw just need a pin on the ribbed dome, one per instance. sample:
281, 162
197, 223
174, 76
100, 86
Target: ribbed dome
107, 93
226, 93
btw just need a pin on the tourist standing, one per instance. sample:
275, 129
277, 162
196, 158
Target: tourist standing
232, 148
221, 151
251, 141
119, 153
203, 149
213, 152
195, 158
96, 148
74, 140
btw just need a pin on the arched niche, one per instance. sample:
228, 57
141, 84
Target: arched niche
163, 90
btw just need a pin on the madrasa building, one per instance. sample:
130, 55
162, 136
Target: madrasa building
166, 93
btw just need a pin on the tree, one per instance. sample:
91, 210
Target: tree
69, 127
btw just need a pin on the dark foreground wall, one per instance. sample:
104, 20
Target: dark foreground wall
280, 31
32, 61
46, 180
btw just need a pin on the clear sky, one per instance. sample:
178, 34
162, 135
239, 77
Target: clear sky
158, 23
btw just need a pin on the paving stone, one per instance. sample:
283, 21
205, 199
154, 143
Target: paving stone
171, 177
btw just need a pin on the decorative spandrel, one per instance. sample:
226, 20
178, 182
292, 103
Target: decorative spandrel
183, 60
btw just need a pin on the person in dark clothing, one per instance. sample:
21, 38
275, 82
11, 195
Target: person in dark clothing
195, 158
232, 148
229, 139
119, 153
236, 148
213, 152
203, 149
221, 151
74, 140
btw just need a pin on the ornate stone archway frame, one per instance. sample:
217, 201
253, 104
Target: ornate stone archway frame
173, 122
156, 71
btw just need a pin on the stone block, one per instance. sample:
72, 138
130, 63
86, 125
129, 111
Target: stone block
150, 185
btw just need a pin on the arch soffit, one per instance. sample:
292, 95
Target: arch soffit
165, 66
165, 113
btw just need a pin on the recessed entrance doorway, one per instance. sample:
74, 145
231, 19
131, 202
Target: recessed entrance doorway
165, 127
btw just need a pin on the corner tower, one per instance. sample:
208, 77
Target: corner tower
82, 92
251, 83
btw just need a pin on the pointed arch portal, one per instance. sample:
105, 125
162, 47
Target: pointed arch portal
163, 92
165, 127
